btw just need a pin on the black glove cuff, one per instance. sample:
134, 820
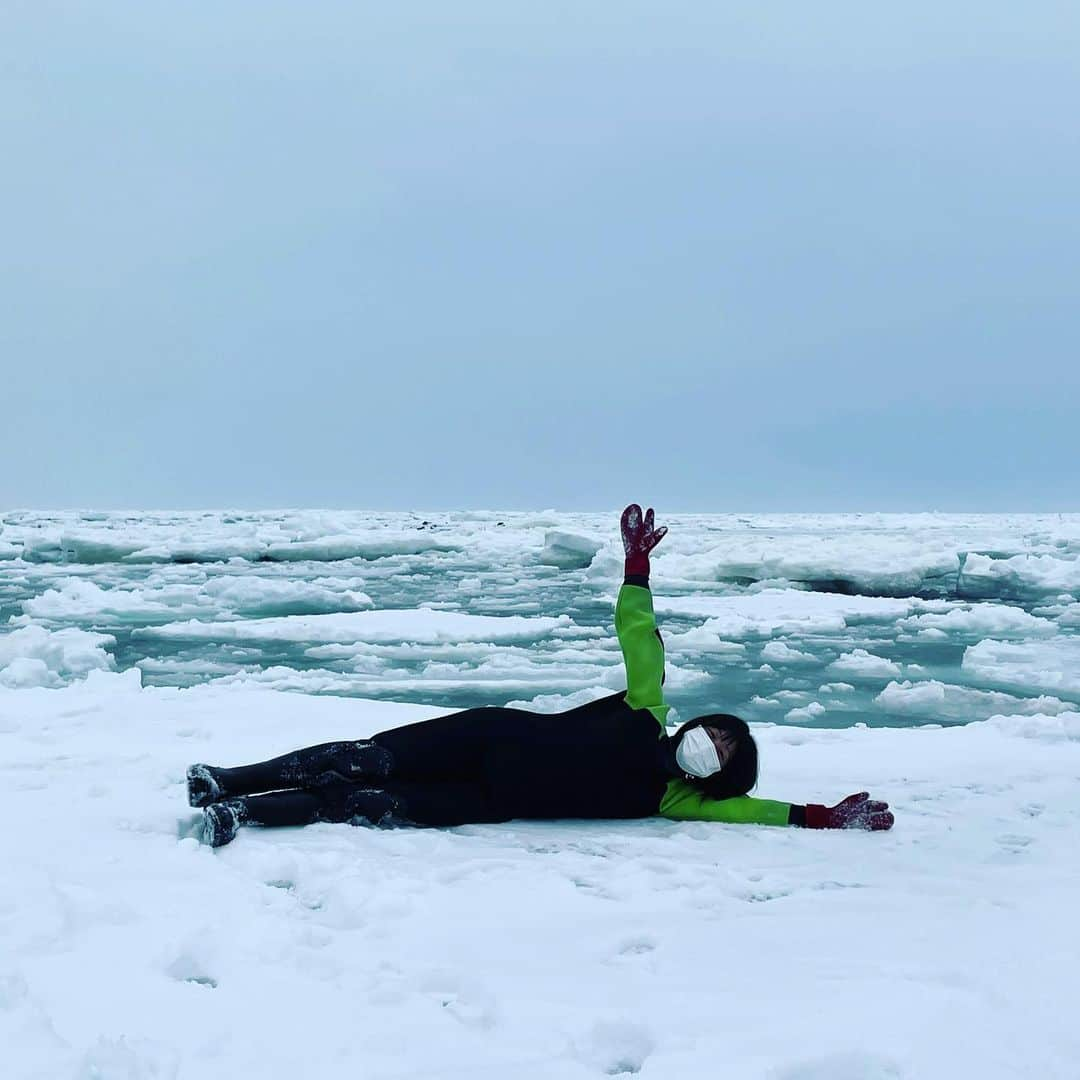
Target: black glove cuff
641, 580
797, 815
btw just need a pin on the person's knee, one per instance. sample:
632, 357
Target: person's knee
348, 802
362, 758
331, 763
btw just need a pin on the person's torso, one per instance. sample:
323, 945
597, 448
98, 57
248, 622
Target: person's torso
601, 760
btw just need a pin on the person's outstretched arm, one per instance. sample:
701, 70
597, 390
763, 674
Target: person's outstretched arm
635, 621
684, 802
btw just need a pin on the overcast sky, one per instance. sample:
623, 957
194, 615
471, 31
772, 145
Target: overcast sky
713, 256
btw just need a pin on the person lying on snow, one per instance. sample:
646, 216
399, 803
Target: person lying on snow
611, 758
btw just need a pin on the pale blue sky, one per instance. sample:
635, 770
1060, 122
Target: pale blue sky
711, 256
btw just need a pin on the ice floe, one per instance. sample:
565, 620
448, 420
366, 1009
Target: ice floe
863, 665
409, 624
568, 550
932, 699
34, 656
1052, 665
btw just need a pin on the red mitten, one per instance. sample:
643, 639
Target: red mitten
854, 812
639, 537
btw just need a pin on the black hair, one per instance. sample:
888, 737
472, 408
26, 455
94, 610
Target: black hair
739, 774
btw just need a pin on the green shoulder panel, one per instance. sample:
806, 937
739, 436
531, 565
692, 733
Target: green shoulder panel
684, 802
643, 651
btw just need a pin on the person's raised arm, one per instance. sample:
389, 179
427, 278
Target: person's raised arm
635, 622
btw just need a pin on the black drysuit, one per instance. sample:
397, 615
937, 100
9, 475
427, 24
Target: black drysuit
600, 760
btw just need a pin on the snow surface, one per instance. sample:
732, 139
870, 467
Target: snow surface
946, 948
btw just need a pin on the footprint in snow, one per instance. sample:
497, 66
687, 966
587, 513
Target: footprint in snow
637, 946
613, 1048
1014, 843
190, 826
467, 1002
186, 968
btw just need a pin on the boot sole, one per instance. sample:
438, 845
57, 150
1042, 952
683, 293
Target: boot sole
202, 788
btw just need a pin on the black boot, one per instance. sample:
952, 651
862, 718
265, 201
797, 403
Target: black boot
310, 767
221, 820
203, 787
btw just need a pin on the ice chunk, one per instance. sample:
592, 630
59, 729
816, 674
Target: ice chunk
77, 549
982, 620
783, 611
368, 545
409, 624
882, 554
25, 671
945, 701
1021, 575
202, 668
867, 560
782, 653
805, 713
1052, 665
56, 656
242, 594
569, 551
82, 600
768, 702
1070, 615
149, 544
251, 595
1062, 727
553, 703
864, 665
702, 639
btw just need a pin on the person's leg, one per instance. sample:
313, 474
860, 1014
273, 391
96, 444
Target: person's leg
449, 802
311, 766
451, 747
336, 802
222, 819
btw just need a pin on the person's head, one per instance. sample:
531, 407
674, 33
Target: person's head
736, 751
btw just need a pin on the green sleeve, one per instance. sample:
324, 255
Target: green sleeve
643, 651
684, 802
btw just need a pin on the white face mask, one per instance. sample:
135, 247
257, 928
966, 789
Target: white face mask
696, 753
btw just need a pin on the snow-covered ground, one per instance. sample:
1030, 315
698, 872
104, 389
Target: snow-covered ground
128, 951
931, 659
